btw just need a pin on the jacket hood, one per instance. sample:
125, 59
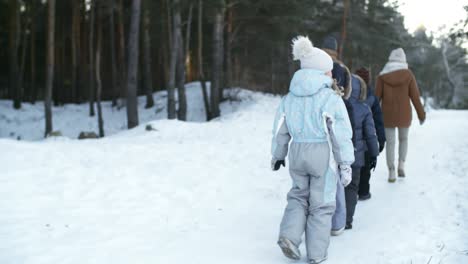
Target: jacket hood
397, 78
307, 82
359, 90
342, 75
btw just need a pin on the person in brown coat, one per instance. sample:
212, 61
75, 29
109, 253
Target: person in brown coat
396, 87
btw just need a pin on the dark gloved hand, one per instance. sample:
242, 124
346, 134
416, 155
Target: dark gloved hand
373, 163
381, 147
276, 164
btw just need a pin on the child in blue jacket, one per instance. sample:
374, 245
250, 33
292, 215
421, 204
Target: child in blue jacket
304, 116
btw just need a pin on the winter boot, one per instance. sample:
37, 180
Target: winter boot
289, 249
391, 175
337, 232
401, 169
349, 226
365, 197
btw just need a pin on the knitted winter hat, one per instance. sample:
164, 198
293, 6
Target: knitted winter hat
363, 73
397, 55
311, 57
329, 42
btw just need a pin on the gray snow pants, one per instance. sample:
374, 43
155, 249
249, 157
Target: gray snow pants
309, 209
390, 133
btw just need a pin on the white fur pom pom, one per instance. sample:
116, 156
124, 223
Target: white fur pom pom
302, 47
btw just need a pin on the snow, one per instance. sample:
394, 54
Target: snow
195, 192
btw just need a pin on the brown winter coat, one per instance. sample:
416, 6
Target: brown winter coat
395, 89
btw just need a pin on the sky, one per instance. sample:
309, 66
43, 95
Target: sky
433, 14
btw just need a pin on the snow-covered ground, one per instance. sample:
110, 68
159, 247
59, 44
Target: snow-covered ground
204, 192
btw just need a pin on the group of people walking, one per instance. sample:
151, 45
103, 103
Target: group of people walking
332, 126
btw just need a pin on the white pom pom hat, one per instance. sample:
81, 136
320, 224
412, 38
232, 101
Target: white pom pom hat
311, 57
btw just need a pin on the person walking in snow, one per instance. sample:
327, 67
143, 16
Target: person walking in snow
302, 116
364, 140
396, 87
342, 77
373, 103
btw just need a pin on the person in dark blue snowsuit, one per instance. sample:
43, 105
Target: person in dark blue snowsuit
373, 103
364, 140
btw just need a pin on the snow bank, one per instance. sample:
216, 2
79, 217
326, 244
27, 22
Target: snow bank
28, 122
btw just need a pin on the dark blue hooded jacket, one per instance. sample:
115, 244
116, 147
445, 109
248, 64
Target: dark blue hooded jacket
377, 115
360, 115
341, 75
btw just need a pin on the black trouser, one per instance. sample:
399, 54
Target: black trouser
364, 185
351, 194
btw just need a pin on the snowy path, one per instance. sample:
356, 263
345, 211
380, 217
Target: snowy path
203, 193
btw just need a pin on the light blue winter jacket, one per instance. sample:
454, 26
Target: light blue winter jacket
304, 110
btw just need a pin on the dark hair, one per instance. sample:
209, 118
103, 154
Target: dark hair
364, 74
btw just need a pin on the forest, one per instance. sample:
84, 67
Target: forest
87, 51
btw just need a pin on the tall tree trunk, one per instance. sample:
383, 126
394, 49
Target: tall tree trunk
180, 68
201, 74
22, 68
217, 65
182, 109
147, 57
14, 46
343, 29
165, 48
62, 95
115, 87
171, 109
133, 40
229, 39
169, 4
188, 30
50, 66
92, 11
33, 53
75, 39
122, 62
98, 72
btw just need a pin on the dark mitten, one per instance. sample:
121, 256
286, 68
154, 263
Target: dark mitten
381, 147
277, 164
373, 163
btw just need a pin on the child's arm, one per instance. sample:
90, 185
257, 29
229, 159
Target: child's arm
378, 121
370, 134
281, 136
341, 135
